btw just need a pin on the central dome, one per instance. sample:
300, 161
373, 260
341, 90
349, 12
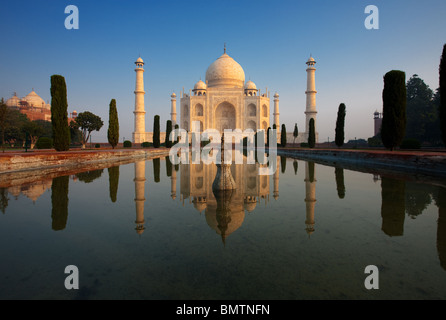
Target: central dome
225, 72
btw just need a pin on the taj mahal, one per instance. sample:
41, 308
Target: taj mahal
224, 101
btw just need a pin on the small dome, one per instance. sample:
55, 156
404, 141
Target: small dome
173, 95
34, 100
276, 95
13, 102
250, 206
139, 60
225, 72
200, 85
250, 85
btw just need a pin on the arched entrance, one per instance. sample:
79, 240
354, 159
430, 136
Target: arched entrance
225, 117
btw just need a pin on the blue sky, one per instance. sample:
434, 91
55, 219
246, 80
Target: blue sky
178, 40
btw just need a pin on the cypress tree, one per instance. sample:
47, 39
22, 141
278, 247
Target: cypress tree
311, 135
393, 126
168, 131
295, 133
340, 122
443, 95
177, 136
267, 136
283, 136
282, 164
156, 132
59, 113
113, 125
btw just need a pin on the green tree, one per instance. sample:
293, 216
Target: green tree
393, 126
34, 130
311, 135
442, 72
267, 136
283, 136
177, 136
113, 125
422, 112
75, 133
340, 123
88, 122
59, 202
168, 142
295, 133
156, 132
59, 113
113, 182
340, 186
3, 116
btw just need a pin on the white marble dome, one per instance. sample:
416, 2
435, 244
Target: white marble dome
250, 85
200, 85
225, 72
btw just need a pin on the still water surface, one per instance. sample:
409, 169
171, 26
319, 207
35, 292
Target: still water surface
150, 230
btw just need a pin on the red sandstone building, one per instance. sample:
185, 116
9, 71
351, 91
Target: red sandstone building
34, 107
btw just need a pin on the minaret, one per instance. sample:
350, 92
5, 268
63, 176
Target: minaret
276, 113
173, 110
310, 196
140, 180
310, 111
139, 135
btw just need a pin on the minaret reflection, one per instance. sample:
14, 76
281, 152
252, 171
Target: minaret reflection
276, 179
224, 210
310, 196
173, 184
140, 180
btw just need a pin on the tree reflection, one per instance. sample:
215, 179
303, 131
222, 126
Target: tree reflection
3, 199
113, 181
156, 169
340, 186
89, 176
59, 202
417, 198
441, 227
282, 164
393, 206
295, 166
168, 167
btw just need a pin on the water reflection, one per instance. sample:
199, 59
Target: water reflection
310, 196
113, 182
224, 211
340, 186
3, 199
140, 179
59, 202
392, 206
441, 228
89, 176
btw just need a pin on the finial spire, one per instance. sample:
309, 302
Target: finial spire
225, 48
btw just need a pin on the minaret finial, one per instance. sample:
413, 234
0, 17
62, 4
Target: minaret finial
225, 48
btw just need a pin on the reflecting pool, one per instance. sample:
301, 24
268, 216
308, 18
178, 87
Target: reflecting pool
153, 230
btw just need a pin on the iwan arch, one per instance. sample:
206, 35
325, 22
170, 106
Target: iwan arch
224, 101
